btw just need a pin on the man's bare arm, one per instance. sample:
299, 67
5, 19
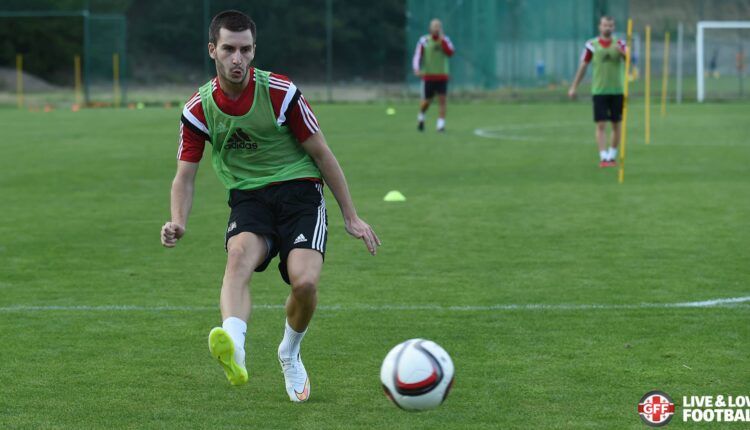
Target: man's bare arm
181, 202
577, 80
318, 149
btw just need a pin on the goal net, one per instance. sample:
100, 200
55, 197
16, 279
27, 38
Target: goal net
722, 60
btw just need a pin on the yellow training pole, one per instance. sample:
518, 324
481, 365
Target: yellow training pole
665, 76
77, 73
19, 80
116, 77
648, 84
623, 126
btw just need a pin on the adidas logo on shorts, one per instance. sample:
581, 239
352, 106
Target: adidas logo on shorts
300, 238
232, 226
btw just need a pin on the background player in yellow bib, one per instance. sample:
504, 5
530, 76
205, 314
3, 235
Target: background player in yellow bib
268, 151
431, 64
607, 53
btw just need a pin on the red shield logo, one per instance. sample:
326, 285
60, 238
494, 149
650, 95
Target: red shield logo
656, 408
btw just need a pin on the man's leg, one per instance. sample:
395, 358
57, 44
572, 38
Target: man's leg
616, 130
423, 106
442, 100
303, 266
427, 93
601, 140
245, 252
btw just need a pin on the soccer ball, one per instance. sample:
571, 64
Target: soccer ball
417, 374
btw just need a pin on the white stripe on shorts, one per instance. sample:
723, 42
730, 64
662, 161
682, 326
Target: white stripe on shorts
320, 225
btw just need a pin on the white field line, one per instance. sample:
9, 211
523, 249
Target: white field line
506, 132
516, 132
721, 302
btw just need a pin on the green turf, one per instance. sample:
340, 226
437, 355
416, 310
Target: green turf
525, 217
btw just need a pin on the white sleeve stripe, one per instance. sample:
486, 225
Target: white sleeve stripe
276, 87
279, 81
310, 126
590, 46
308, 111
310, 114
193, 120
285, 104
195, 97
179, 150
417, 56
191, 104
304, 118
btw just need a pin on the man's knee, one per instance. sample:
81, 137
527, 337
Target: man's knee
304, 286
245, 254
601, 125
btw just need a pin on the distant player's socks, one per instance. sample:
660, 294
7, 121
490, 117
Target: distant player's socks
420, 121
603, 155
440, 124
612, 154
295, 376
222, 348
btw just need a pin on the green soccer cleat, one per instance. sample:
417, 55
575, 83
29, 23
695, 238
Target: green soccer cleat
222, 349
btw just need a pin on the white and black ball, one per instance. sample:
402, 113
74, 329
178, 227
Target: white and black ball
417, 374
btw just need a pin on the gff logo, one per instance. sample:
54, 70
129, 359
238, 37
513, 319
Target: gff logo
656, 408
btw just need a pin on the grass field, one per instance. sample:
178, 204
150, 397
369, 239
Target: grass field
101, 327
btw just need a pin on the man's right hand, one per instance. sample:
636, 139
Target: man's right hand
572, 93
170, 233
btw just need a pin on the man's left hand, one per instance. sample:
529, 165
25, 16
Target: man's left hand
361, 230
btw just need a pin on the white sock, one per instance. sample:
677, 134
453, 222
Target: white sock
289, 347
420, 116
236, 329
440, 123
612, 154
603, 155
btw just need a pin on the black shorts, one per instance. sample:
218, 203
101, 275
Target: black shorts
288, 215
430, 88
608, 107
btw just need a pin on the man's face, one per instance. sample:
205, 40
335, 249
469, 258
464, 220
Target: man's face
436, 27
606, 27
233, 53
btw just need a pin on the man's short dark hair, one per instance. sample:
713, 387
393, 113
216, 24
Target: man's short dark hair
232, 20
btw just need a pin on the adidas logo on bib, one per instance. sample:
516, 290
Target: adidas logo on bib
300, 238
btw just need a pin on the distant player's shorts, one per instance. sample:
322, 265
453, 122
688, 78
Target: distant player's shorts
288, 215
608, 107
430, 88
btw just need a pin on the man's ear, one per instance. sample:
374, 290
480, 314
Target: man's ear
211, 50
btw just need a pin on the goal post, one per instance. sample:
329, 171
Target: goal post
700, 49
100, 66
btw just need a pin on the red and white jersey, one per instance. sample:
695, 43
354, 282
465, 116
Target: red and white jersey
289, 106
416, 60
588, 49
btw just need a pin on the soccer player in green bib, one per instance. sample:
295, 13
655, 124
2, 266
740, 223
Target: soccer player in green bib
431, 64
269, 153
607, 53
